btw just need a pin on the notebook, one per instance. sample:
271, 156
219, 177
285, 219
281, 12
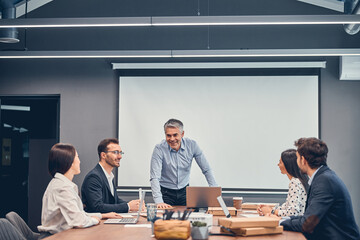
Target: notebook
202, 197
129, 220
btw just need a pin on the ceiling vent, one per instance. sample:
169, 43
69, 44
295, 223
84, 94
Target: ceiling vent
353, 28
345, 6
8, 11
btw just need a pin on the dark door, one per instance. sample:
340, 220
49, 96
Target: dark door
29, 126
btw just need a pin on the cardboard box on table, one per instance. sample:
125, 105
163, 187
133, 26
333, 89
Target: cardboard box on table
256, 231
252, 226
254, 206
217, 211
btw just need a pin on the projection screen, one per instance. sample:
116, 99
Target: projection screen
242, 124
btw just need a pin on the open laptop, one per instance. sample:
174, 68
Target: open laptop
202, 197
129, 220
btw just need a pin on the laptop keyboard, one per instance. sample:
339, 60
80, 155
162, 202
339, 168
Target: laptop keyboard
127, 220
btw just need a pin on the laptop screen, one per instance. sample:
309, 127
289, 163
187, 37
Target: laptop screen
201, 197
142, 197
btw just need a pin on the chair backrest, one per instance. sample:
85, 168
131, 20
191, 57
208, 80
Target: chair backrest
21, 226
8, 231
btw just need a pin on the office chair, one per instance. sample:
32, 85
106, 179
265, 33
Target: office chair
21, 226
8, 231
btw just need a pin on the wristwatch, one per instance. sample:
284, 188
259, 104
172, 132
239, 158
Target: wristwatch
273, 211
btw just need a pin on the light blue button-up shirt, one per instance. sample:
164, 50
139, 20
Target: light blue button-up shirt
171, 169
312, 177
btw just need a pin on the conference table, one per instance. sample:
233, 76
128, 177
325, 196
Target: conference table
126, 232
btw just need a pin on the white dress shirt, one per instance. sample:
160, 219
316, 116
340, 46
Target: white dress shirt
110, 178
62, 207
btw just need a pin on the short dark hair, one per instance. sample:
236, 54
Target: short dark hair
102, 147
290, 162
313, 150
61, 157
174, 123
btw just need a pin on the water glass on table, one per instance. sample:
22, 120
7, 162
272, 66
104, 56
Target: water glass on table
151, 210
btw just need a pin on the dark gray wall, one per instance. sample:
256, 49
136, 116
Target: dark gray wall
39, 177
88, 99
89, 88
340, 128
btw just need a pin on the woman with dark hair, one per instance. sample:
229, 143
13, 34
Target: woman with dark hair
296, 198
62, 207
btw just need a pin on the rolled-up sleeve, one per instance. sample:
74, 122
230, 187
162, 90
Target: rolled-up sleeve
155, 175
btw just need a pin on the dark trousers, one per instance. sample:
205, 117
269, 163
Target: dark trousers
174, 197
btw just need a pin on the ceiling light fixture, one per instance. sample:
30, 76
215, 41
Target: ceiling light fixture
266, 52
180, 21
86, 54
183, 53
254, 20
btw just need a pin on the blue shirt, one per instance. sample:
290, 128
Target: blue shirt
171, 169
312, 177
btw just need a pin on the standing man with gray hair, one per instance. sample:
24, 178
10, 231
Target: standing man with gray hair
171, 163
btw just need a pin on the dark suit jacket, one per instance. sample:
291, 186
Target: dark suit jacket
328, 213
96, 194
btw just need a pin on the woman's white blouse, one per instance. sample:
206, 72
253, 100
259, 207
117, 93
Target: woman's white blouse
62, 207
295, 200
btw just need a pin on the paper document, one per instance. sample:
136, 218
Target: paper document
138, 225
249, 215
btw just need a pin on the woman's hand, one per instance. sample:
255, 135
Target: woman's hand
110, 215
98, 219
264, 210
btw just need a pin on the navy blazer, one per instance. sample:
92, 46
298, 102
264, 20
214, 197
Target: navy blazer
96, 194
328, 213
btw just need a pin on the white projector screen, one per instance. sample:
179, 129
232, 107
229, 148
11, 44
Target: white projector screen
242, 124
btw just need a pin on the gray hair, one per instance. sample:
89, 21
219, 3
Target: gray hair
174, 123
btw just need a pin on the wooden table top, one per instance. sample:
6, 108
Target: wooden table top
122, 232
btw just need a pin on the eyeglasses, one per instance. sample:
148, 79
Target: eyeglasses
116, 152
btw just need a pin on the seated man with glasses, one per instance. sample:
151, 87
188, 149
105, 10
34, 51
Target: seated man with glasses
98, 190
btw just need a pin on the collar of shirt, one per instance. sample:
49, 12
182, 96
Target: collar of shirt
65, 180
181, 146
108, 176
312, 177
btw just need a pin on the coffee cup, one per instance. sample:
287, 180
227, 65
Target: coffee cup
237, 201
